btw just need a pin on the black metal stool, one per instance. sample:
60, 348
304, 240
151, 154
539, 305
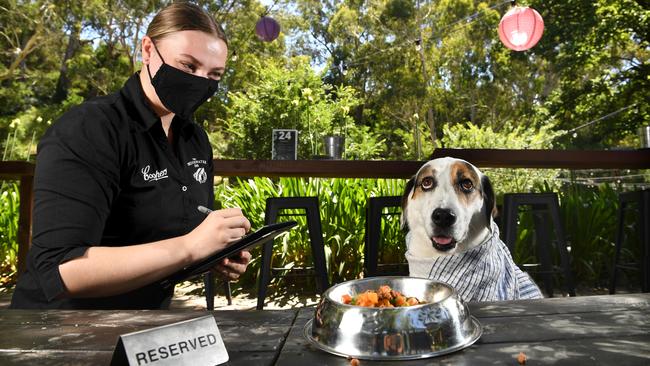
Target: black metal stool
310, 204
541, 203
642, 201
208, 283
374, 213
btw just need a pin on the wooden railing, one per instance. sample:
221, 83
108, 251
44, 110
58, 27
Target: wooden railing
484, 158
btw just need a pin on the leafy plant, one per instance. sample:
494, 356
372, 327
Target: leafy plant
589, 218
470, 135
342, 211
9, 211
293, 96
589, 215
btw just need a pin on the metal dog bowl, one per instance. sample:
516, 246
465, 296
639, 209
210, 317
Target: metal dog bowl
442, 325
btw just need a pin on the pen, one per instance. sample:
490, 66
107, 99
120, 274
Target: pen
204, 210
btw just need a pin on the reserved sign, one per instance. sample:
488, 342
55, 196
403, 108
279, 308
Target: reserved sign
191, 342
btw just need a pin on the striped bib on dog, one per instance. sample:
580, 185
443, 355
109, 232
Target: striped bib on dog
484, 273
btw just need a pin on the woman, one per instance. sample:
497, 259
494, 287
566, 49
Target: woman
118, 180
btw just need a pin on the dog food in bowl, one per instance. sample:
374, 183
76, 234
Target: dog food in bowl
384, 297
441, 325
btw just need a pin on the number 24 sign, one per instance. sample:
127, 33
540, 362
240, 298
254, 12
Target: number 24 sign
284, 144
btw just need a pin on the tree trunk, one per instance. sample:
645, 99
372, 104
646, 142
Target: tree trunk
63, 84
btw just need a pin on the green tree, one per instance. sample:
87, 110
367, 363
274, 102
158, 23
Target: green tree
598, 52
446, 56
293, 96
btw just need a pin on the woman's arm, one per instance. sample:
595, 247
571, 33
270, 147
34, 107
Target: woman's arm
107, 271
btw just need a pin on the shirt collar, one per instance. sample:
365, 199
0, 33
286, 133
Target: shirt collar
145, 117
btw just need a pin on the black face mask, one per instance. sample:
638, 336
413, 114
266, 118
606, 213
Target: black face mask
180, 92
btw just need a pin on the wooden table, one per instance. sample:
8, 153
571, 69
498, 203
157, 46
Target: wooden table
591, 330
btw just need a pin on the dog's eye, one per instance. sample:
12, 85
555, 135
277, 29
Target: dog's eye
427, 183
466, 185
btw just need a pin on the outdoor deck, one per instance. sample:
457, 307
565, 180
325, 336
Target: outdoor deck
595, 330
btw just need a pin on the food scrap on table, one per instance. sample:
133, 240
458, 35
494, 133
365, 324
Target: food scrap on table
521, 358
384, 297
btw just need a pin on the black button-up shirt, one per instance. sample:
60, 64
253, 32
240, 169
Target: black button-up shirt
107, 175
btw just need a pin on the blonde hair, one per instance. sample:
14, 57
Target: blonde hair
182, 16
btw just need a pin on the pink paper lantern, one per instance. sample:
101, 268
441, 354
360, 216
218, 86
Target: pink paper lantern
267, 29
521, 28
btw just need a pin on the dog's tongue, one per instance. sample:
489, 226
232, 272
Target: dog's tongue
442, 240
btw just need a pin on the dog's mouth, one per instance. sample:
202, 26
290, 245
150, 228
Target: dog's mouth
443, 243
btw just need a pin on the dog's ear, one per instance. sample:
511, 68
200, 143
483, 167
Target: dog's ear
405, 197
489, 200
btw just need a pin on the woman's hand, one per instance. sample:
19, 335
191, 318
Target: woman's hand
216, 232
230, 269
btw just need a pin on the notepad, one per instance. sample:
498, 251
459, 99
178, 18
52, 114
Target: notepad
249, 241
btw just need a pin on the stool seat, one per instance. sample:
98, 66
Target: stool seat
543, 205
374, 213
310, 204
642, 201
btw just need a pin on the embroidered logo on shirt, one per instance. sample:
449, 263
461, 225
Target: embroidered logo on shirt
194, 162
157, 175
200, 175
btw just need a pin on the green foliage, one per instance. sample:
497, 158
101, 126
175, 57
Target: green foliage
342, 211
516, 137
9, 211
589, 218
402, 72
393, 77
598, 64
588, 214
442, 61
293, 96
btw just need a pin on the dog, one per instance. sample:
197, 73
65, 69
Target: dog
448, 210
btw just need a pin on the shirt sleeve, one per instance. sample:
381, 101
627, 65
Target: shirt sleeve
75, 181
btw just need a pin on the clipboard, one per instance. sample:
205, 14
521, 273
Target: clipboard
249, 241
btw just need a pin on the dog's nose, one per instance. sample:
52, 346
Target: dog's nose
443, 217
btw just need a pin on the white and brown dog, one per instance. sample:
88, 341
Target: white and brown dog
447, 208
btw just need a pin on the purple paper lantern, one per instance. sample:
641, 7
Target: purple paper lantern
267, 29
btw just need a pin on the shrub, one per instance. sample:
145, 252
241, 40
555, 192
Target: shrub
9, 211
512, 137
294, 97
342, 210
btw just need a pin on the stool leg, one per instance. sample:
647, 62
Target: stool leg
511, 223
228, 291
373, 226
265, 274
644, 229
267, 252
208, 282
619, 243
317, 247
366, 244
562, 248
544, 250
